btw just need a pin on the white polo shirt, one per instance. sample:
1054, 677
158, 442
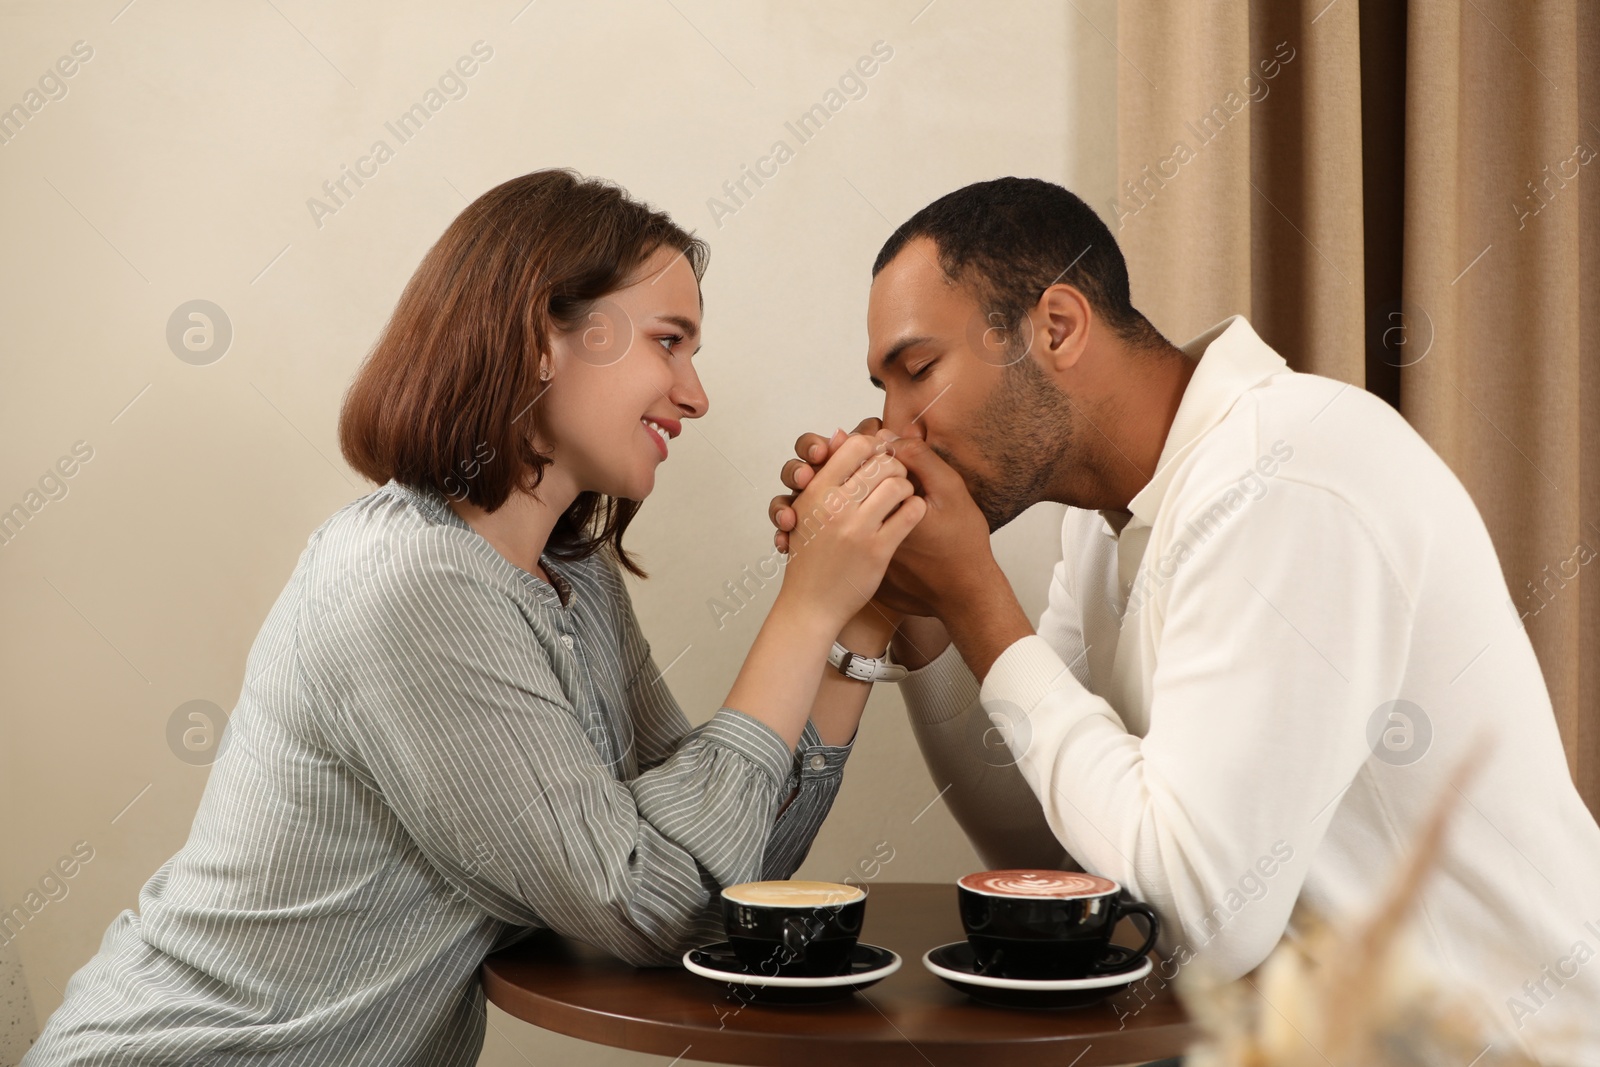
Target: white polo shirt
1256, 688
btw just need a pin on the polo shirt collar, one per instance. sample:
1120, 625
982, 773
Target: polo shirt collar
1232, 359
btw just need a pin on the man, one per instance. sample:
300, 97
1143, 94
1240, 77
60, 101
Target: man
1277, 628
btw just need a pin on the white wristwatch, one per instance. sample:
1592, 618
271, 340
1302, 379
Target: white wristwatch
864, 668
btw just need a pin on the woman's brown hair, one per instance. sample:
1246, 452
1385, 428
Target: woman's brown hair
455, 374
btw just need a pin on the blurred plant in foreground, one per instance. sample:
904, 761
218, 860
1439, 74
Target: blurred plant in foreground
1335, 997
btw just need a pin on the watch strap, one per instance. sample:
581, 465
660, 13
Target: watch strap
864, 668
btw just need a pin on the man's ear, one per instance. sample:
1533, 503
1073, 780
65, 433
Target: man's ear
1061, 326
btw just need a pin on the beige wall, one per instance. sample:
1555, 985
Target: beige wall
178, 167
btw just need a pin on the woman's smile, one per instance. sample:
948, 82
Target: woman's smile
660, 431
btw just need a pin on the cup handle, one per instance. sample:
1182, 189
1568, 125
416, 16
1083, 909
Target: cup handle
1124, 909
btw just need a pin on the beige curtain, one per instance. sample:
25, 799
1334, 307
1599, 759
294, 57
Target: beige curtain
1404, 196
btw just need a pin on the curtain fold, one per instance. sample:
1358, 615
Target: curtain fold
1404, 196
1239, 167
1498, 218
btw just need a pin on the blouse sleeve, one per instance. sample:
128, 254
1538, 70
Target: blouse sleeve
435, 689
816, 770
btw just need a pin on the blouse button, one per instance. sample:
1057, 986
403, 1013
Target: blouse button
818, 761
566, 639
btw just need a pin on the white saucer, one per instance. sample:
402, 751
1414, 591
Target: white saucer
1096, 981
853, 977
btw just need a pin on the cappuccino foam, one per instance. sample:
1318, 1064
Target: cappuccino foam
1034, 883
793, 894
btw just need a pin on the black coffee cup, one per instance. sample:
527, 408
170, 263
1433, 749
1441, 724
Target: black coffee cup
1047, 924
794, 928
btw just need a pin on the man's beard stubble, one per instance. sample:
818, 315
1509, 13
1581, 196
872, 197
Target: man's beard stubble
1023, 431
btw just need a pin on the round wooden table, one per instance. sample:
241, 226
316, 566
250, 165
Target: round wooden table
909, 1018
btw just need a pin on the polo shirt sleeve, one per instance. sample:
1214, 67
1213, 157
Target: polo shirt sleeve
1280, 636
969, 763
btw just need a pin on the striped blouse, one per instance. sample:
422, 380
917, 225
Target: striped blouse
434, 753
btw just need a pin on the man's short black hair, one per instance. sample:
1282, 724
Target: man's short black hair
1012, 238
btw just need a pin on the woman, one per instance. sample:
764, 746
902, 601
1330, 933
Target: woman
452, 729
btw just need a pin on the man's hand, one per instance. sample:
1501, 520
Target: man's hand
944, 569
813, 450
876, 622
941, 558
947, 563
950, 567
853, 522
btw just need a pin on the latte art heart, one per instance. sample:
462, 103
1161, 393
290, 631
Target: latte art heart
1037, 883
